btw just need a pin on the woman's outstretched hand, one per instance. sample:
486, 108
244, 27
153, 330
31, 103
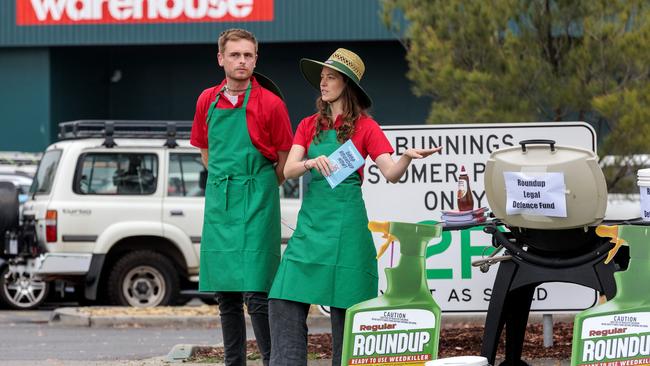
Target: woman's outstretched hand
421, 153
392, 170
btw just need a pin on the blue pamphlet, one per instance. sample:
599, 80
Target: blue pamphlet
345, 160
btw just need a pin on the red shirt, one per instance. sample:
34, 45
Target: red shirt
266, 117
368, 137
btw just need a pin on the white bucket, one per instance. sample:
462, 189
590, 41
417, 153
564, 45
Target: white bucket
643, 182
459, 361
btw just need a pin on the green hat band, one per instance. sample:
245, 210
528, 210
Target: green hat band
343, 68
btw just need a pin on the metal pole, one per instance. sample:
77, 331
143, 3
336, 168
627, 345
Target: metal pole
547, 327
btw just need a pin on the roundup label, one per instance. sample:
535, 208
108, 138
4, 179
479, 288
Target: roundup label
615, 340
393, 337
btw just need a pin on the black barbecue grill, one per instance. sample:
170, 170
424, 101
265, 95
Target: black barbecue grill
540, 247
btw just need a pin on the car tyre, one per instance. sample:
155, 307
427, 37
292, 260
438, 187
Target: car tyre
8, 207
20, 291
143, 279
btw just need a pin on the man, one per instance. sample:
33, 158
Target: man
244, 134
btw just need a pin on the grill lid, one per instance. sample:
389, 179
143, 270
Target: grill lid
520, 183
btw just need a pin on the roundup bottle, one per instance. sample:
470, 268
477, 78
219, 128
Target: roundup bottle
617, 332
401, 327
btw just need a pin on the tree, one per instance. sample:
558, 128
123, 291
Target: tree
531, 60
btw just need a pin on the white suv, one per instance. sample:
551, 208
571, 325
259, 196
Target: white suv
621, 173
123, 215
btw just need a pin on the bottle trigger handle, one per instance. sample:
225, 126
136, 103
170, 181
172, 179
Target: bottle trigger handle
389, 239
384, 228
605, 231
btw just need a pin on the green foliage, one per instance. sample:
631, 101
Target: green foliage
630, 108
532, 60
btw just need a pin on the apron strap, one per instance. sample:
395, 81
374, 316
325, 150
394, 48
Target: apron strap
225, 178
211, 109
228, 178
247, 95
249, 181
213, 105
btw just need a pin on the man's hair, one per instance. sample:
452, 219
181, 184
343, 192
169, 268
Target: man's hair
235, 34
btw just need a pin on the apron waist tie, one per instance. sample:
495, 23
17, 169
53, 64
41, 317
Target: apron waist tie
247, 180
225, 178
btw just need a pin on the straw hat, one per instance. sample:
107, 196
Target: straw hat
344, 61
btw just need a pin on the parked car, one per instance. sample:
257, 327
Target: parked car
116, 209
623, 192
18, 286
3, 265
22, 182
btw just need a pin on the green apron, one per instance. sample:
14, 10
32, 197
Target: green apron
330, 259
240, 245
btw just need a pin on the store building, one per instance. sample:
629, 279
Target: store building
63, 60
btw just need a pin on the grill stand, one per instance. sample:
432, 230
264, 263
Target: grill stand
513, 291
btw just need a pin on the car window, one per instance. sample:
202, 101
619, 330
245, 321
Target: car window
290, 188
23, 188
116, 174
184, 175
42, 183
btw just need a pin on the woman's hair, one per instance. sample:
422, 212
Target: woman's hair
351, 112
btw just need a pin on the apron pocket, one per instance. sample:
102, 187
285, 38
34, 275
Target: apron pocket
225, 208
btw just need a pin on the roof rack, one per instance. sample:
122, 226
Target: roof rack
111, 129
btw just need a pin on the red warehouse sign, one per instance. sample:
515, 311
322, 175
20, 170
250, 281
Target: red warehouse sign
53, 12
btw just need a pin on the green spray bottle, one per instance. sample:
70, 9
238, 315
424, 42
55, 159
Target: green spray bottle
401, 327
618, 331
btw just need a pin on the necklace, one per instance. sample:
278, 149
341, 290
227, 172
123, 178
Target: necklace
229, 89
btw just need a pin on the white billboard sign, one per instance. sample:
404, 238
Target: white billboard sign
429, 186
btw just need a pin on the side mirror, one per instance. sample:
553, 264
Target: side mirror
203, 179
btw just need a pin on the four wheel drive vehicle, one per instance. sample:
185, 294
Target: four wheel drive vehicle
21, 180
19, 288
116, 208
623, 192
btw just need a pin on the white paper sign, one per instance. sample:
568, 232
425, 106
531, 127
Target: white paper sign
537, 194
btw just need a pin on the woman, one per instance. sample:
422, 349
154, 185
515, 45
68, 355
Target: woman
330, 259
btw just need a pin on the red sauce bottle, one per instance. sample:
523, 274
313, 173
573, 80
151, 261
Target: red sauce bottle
464, 198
